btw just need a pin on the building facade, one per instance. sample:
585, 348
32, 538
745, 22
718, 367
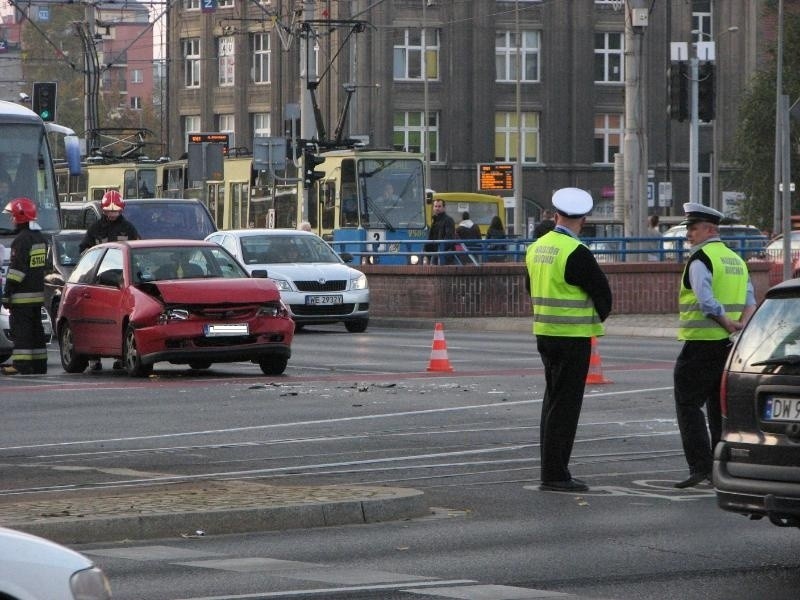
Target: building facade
463, 81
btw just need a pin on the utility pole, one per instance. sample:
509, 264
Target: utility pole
519, 201
635, 148
308, 75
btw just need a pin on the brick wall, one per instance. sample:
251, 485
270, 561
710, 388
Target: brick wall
499, 289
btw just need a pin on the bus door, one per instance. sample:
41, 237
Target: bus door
215, 201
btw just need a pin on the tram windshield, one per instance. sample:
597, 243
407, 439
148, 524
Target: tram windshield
392, 194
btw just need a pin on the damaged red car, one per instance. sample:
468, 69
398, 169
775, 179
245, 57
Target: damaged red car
180, 301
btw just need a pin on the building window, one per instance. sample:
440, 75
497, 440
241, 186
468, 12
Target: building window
136, 102
191, 124
408, 134
702, 24
227, 124
191, 4
506, 137
409, 63
261, 54
261, 124
136, 76
506, 56
224, 3
608, 58
191, 62
608, 133
227, 60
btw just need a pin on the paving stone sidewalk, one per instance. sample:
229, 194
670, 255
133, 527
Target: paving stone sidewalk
198, 508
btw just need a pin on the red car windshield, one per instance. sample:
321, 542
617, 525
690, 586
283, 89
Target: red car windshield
159, 264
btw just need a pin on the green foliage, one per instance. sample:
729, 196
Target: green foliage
754, 154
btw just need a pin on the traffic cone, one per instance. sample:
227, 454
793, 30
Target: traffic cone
595, 374
439, 360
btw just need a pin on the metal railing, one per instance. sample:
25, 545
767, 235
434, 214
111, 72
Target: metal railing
477, 252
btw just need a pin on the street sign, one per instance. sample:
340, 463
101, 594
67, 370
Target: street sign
495, 177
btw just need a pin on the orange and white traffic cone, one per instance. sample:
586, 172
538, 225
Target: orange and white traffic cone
439, 360
595, 374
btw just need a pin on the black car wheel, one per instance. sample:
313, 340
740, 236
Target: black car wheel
273, 365
131, 358
70, 360
359, 326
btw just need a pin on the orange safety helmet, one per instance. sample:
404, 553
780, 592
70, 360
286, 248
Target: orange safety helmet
112, 201
22, 210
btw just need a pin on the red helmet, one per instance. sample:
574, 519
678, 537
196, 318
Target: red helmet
112, 201
22, 210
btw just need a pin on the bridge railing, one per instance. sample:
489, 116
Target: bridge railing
476, 252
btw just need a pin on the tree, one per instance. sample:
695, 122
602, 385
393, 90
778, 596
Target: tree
52, 51
754, 153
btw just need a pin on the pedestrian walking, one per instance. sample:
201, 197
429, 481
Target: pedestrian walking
571, 298
652, 231
111, 227
442, 228
496, 231
23, 294
716, 298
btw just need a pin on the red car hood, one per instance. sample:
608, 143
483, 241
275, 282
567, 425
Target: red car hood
218, 291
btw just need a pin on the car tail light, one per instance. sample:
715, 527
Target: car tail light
723, 395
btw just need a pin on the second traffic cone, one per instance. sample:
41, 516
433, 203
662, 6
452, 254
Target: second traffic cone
595, 374
439, 360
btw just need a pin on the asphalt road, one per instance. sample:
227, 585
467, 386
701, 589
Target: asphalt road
362, 409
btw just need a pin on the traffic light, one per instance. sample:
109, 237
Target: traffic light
310, 161
678, 95
705, 92
44, 99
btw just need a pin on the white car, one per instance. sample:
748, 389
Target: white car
315, 283
32, 568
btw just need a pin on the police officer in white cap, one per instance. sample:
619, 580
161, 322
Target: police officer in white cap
571, 298
716, 298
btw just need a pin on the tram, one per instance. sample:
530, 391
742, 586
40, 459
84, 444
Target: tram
373, 199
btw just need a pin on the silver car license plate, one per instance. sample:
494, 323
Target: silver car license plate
324, 300
223, 330
777, 408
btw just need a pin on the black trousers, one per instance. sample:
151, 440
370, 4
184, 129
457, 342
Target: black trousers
697, 377
566, 364
30, 345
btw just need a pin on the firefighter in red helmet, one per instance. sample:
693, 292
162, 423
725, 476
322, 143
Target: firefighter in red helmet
112, 226
24, 291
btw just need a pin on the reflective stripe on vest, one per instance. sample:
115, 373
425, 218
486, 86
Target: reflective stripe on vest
729, 279
559, 308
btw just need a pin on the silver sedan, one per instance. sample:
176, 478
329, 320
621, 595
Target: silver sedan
315, 283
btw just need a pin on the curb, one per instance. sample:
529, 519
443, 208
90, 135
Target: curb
208, 507
634, 326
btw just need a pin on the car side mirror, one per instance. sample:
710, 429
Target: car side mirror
260, 273
346, 257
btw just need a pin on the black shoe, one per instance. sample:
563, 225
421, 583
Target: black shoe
693, 480
95, 365
118, 366
570, 485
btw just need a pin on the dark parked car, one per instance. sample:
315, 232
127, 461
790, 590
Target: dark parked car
163, 218
180, 301
63, 252
757, 463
